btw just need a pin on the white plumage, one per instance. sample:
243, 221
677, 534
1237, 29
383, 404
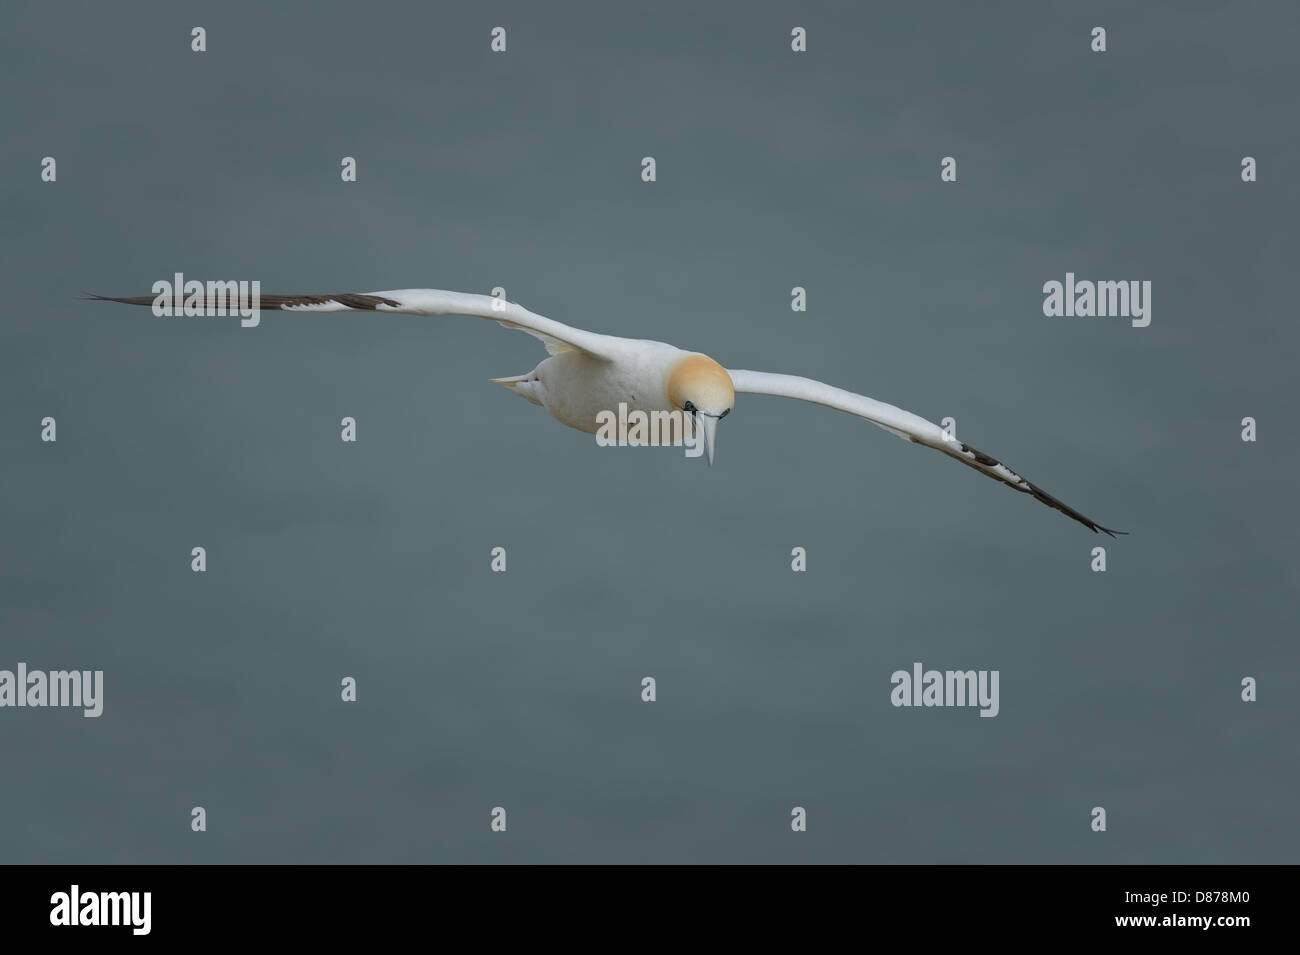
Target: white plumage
587, 373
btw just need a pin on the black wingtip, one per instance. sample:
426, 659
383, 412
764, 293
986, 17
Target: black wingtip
137, 300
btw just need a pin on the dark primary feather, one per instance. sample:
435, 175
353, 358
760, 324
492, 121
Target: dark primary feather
349, 299
982, 460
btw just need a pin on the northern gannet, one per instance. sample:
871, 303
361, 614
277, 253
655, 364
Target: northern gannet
587, 373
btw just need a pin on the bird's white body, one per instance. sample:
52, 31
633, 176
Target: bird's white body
575, 387
588, 373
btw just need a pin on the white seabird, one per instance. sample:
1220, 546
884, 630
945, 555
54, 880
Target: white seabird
588, 373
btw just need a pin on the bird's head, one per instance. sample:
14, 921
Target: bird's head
700, 387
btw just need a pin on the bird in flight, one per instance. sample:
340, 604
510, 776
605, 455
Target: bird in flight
587, 373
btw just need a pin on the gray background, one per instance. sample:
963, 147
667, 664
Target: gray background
522, 690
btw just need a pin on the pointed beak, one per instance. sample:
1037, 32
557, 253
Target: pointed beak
709, 428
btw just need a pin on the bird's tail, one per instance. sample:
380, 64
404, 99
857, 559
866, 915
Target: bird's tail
525, 386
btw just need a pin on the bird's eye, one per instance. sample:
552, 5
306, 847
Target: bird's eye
689, 407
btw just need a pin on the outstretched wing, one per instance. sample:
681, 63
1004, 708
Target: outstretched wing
556, 336
904, 424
